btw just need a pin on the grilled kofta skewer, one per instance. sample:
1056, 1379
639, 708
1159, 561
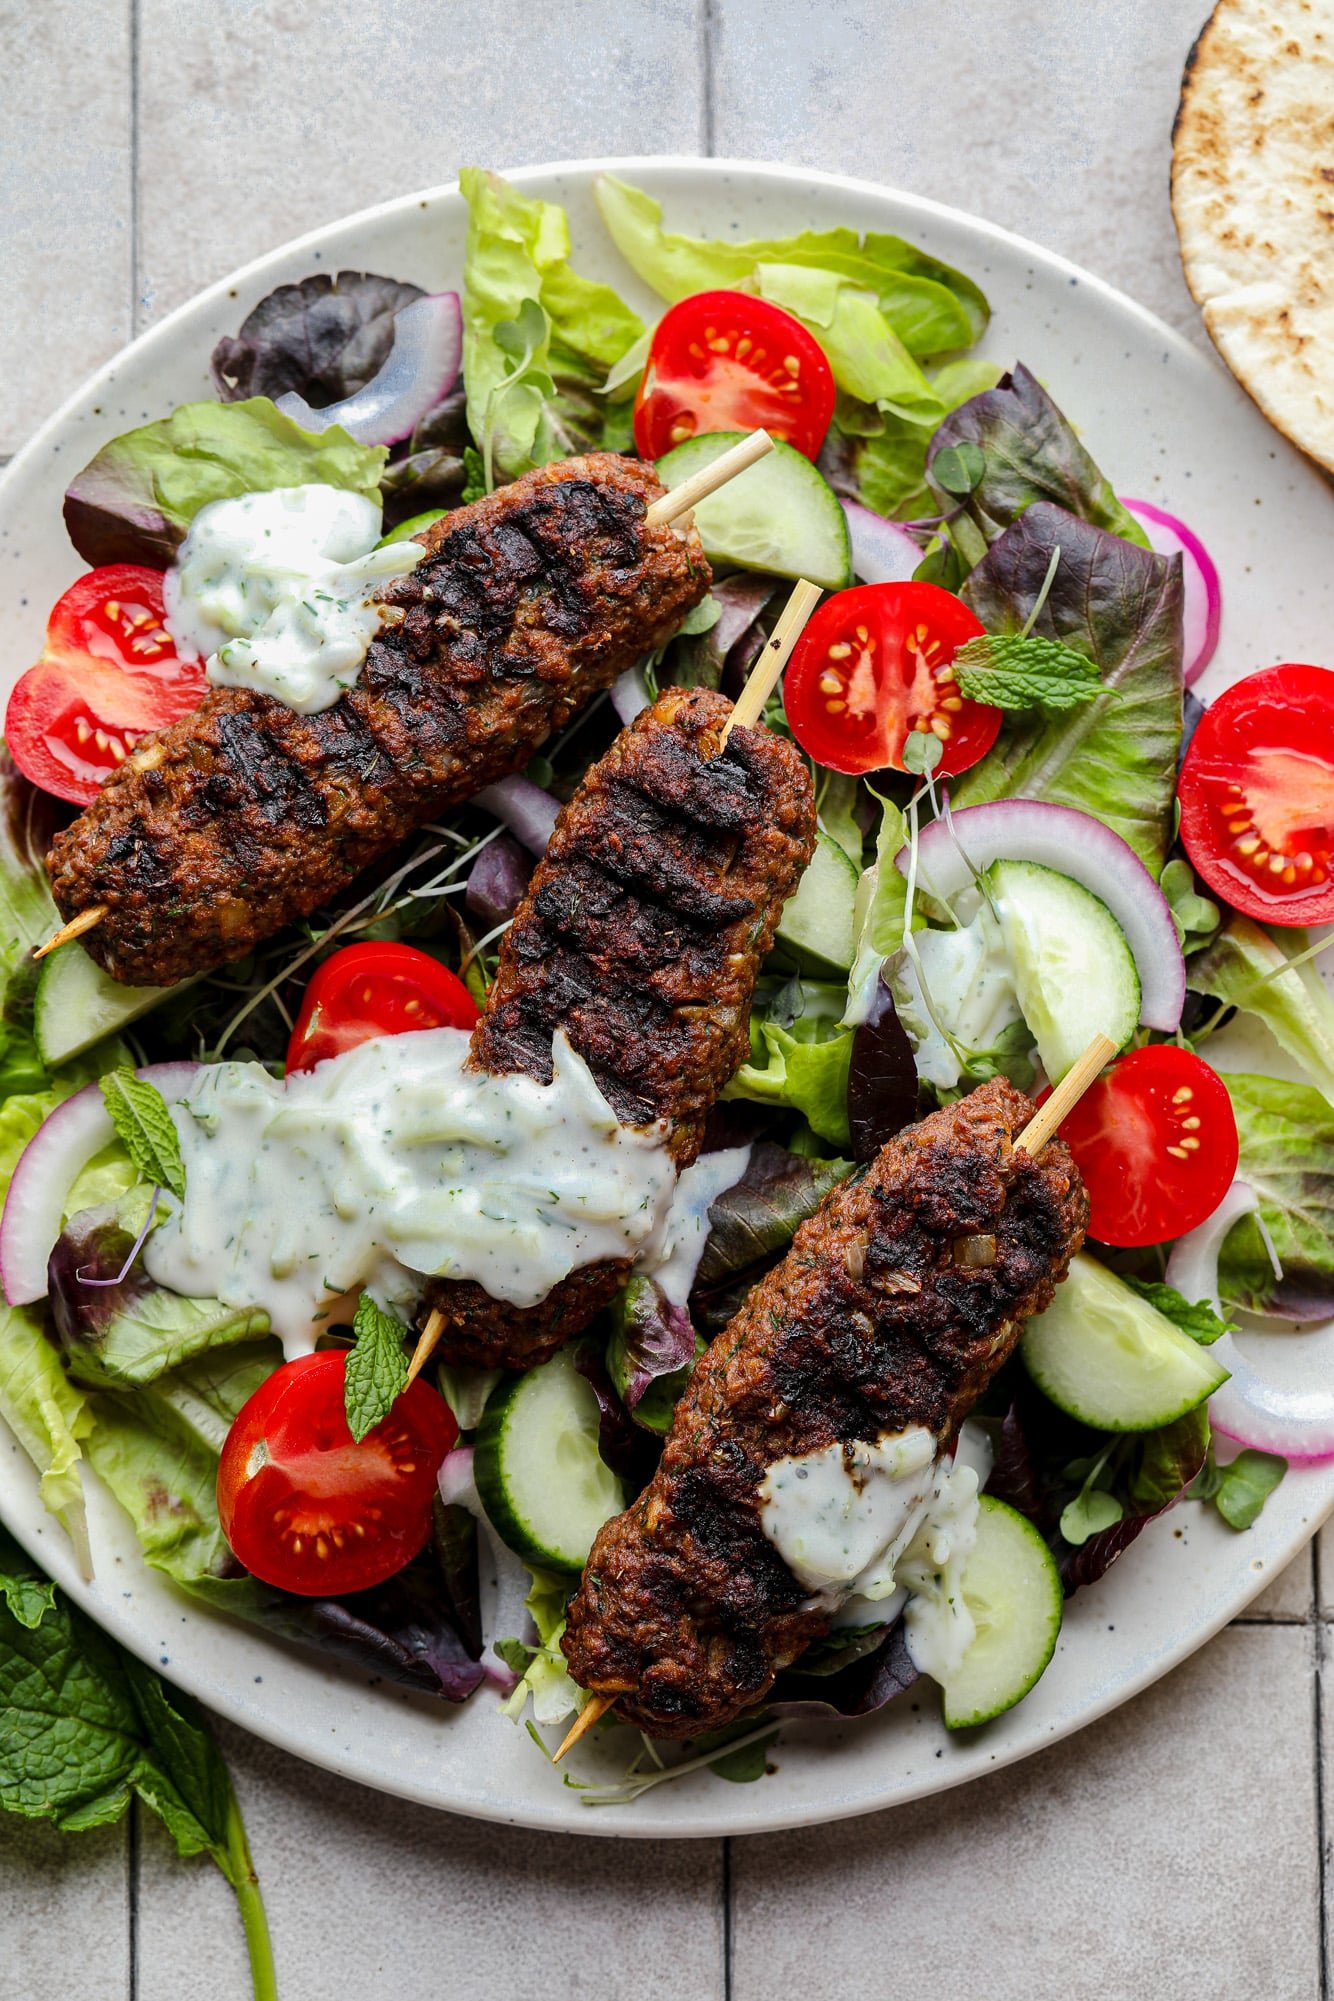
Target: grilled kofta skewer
870, 1325
640, 939
246, 815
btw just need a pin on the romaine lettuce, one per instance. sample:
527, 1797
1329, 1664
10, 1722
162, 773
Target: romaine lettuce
1249, 968
1286, 1133
1115, 757
516, 274
931, 308
135, 501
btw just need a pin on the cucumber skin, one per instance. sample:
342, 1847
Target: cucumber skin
67, 985
488, 1476
1045, 1567
1030, 1349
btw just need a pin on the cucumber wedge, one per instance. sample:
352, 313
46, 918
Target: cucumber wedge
76, 1004
1074, 973
1013, 1589
780, 515
545, 1489
816, 925
1104, 1355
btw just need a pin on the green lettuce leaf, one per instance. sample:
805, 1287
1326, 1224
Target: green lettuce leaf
1248, 967
1196, 1318
1115, 757
878, 456
517, 256
1286, 1135
1031, 453
931, 307
878, 913
135, 501
48, 1416
803, 1067
546, 1678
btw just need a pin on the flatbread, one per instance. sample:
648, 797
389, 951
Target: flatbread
1253, 197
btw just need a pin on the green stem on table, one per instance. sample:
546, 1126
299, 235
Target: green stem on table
245, 1882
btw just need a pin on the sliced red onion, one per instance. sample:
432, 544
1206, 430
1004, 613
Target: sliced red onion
1203, 609
421, 369
528, 811
630, 695
458, 1489
1294, 1419
1077, 845
47, 1169
883, 552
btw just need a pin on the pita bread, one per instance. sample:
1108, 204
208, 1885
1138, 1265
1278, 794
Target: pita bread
1253, 197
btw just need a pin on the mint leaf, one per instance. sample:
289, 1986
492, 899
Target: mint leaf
1198, 1320
377, 1368
144, 1126
23, 1590
1009, 670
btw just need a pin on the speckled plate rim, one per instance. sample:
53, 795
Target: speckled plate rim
1234, 1569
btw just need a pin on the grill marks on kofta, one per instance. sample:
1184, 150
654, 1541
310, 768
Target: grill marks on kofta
686, 1611
641, 939
522, 607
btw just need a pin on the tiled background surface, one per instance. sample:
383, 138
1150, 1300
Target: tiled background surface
1173, 1850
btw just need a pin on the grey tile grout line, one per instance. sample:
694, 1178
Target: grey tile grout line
134, 167
132, 1888
708, 36
727, 1918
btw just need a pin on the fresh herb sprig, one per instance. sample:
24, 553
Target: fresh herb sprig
143, 1124
377, 1368
89, 1728
1025, 671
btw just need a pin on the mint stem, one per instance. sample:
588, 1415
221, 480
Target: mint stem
259, 1945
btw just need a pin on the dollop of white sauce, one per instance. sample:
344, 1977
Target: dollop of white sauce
687, 1229
868, 1527
273, 591
968, 976
393, 1162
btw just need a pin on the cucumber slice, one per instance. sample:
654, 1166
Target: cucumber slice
780, 515
545, 1489
1013, 1589
76, 1004
1104, 1355
1074, 974
816, 925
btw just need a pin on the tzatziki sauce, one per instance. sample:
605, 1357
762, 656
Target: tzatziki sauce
393, 1162
872, 1526
273, 591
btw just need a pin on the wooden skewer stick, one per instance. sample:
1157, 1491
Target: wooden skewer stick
1032, 1139
708, 479
595, 1707
85, 921
764, 674
1066, 1095
427, 1342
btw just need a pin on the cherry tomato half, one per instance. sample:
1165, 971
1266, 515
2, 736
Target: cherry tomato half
305, 1507
723, 361
369, 990
874, 664
1155, 1138
107, 676
1257, 795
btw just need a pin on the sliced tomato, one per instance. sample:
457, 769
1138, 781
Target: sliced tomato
308, 1509
1257, 795
369, 990
873, 665
109, 674
723, 361
1155, 1138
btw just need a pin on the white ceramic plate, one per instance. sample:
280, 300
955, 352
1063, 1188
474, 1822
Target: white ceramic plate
1167, 425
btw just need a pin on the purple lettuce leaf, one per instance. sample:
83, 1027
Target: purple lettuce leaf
882, 1077
324, 337
650, 1353
872, 1678
631, 1452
